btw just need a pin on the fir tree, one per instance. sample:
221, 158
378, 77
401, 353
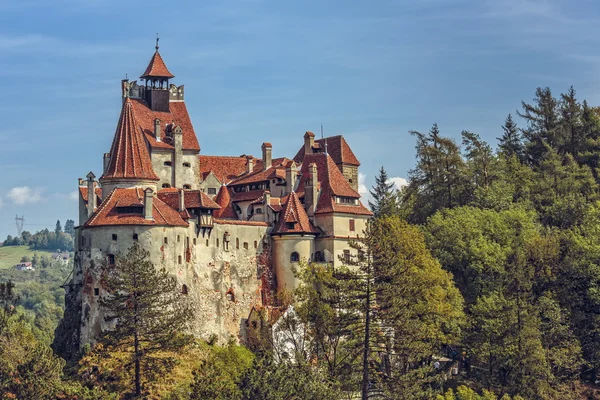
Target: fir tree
149, 311
385, 199
70, 227
511, 141
58, 228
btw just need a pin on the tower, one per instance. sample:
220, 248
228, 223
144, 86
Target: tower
157, 78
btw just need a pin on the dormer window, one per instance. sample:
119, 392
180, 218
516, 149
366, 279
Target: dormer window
290, 225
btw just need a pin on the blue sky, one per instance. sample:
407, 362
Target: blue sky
259, 71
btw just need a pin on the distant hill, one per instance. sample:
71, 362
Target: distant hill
11, 255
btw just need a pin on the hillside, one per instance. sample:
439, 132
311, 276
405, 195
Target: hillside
11, 255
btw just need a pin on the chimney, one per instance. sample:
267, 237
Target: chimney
267, 199
290, 178
81, 181
177, 156
267, 151
106, 161
148, 197
181, 200
91, 206
309, 141
311, 190
157, 129
249, 164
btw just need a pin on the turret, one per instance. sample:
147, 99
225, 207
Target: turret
157, 78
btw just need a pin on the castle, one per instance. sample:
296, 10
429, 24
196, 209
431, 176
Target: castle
230, 229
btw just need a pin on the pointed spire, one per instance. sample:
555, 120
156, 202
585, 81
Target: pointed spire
157, 67
293, 218
223, 199
129, 158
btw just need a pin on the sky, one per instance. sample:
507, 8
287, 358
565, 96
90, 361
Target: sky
257, 71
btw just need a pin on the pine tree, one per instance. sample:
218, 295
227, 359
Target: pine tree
70, 227
543, 125
511, 141
385, 199
571, 124
58, 228
149, 310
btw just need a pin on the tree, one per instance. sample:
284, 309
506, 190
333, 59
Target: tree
543, 125
8, 302
219, 375
58, 228
25, 259
385, 199
511, 142
35, 260
149, 312
571, 124
70, 227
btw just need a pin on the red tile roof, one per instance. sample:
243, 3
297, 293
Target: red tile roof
83, 191
129, 158
337, 148
293, 213
107, 213
157, 68
192, 199
332, 183
223, 199
277, 170
225, 168
247, 196
177, 114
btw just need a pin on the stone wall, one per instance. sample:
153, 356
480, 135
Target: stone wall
350, 172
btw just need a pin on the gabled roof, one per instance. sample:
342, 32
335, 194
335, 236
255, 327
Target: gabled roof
293, 218
225, 168
129, 158
337, 148
277, 170
223, 199
177, 114
192, 199
332, 183
156, 68
107, 213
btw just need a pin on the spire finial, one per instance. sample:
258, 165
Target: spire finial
157, 39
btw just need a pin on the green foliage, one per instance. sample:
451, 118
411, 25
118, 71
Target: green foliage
385, 198
44, 239
219, 375
148, 310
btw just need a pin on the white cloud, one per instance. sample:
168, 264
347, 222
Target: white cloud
398, 182
74, 195
362, 186
25, 195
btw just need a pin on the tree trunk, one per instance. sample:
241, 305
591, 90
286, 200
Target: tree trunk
365, 379
136, 345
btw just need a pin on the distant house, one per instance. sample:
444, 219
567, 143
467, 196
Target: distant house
24, 266
62, 257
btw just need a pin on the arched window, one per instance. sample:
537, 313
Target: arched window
295, 257
184, 289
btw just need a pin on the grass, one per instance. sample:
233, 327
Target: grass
11, 255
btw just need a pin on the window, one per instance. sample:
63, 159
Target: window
230, 295
255, 244
246, 245
217, 242
166, 185
290, 225
212, 191
111, 259
295, 257
187, 187
96, 292
135, 237
187, 164
130, 209
184, 289
194, 241
319, 256
167, 163
347, 256
352, 226
166, 240
178, 238
179, 259
206, 242
114, 236
237, 243
259, 210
